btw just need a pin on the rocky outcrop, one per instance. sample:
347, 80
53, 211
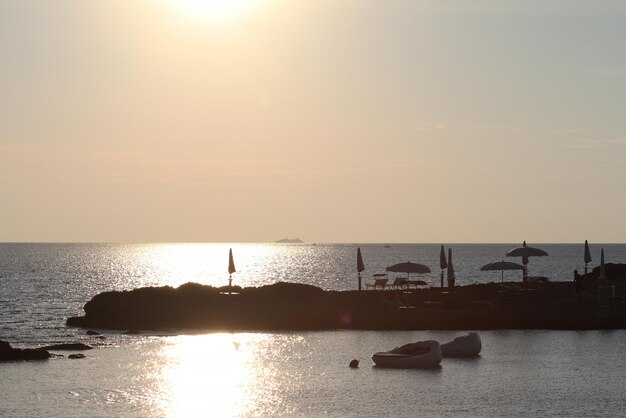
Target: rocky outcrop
67, 347
8, 353
291, 306
290, 241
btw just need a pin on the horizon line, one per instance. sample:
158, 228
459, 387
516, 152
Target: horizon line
302, 243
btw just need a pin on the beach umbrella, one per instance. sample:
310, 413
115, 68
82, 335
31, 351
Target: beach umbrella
602, 268
359, 264
442, 263
451, 276
409, 267
525, 252
587, 256
501, 266
231, 267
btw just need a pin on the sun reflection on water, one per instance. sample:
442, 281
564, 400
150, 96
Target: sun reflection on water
206, 375
176, 264
219, 374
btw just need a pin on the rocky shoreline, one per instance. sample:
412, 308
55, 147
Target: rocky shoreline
292, 306
9, 353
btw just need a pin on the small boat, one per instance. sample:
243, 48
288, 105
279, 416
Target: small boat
465, 346
422, 355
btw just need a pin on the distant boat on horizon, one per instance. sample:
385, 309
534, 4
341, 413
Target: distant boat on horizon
290, 241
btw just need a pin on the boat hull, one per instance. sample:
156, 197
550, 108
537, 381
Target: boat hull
465, 346
430, 359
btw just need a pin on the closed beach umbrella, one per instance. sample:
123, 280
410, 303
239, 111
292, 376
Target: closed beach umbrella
442, 259
359, 264
525, 252
231, 267
451, 276
587, 256
359, 261
501, 266
602, 268
442, 263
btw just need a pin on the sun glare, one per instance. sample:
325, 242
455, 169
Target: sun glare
212, 375
214, 11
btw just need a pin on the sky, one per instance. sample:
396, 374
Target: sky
329, 120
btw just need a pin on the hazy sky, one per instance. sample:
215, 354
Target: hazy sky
334, 121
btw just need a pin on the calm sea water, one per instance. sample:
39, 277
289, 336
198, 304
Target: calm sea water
520, 373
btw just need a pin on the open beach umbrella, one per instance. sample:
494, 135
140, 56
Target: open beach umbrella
587, 256
409, 267
231, 267
525, 252
359, 264
451, 276
501, 265
602, 268
442, 263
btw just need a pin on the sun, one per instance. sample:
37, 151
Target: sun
214, 11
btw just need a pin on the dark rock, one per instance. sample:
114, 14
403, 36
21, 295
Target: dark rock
76, 356
7, 353
101, 337
354, 364
69, 347
613, 271
293, 306
90, 332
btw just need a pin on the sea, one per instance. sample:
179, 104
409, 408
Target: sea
183, 373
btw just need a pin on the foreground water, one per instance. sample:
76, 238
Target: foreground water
520, 373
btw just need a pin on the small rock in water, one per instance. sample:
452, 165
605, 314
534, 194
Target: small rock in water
76, 356
90, 332
354, 364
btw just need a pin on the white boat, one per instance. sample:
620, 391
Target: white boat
422, 354
465, 346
